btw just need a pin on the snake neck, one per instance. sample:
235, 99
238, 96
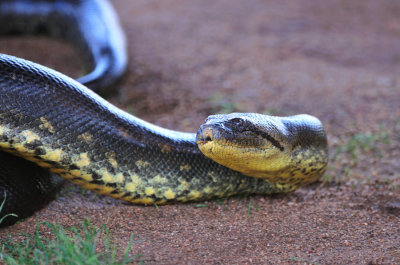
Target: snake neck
308, 153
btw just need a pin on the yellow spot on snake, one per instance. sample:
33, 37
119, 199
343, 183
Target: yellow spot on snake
185, 167
195, 194
111, 159
130, 187
82, 160
30, 136
207, 190
46, 125
53, 155
107, 177
169, 194
286, 187
165, 148
87, 137
184, 185
113, 162
149, 191
119, 177
4, 130
142, 164
133, 184
158, 179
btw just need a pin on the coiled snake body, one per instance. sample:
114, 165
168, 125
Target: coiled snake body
60, 125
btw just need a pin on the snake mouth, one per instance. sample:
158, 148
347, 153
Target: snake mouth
204, 135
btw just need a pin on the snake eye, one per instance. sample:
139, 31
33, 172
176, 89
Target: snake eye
237, 122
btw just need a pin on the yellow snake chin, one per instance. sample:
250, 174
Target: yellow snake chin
266, 162
286, 170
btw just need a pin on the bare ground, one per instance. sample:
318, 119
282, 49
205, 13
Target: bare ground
338, 60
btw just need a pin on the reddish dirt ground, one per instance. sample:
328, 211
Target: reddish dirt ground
338, 60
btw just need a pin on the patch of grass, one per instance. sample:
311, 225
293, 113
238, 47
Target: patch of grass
252, 206
353, 149
359, 142
249, 208
201, 205
362, 142
390, 182
82, 245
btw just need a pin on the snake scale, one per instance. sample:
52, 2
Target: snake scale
53, 125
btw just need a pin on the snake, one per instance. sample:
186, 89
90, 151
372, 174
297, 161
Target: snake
52, 125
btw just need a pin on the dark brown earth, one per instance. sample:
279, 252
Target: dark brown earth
338, 60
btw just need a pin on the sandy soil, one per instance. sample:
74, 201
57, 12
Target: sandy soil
338, 60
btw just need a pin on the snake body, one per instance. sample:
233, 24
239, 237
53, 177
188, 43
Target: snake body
63, 127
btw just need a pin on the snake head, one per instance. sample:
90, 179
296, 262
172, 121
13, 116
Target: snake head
260, 145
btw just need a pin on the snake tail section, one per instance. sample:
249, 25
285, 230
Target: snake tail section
59, 124
90, 25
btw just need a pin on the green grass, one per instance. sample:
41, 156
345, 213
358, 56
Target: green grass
249, 209
362, 141
365, 141
201, 205
351, 151
83, 245
75, 245
252, 206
